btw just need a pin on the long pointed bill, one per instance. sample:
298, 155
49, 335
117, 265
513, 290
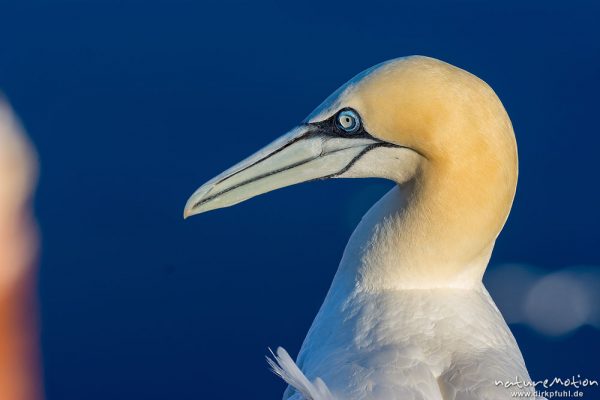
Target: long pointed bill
304, 154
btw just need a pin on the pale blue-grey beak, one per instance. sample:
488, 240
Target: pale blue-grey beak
303, 154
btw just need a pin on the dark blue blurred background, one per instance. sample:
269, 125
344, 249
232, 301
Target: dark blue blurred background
133, 104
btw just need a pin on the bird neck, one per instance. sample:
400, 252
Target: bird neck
429, 232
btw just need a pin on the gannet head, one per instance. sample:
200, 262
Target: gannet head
413, 117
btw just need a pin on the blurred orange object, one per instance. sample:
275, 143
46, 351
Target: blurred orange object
19, 351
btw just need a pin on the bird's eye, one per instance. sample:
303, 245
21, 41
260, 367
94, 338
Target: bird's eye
348, 121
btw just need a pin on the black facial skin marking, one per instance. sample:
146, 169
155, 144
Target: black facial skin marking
330, 128
326, 129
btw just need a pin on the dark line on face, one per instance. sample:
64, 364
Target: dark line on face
326, 129
329, 125
304, 135
357, 157
277, 171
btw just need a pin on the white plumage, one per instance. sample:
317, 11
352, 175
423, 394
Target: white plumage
407, 316
442, 343
283, 366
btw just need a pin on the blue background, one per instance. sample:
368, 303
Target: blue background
133, 104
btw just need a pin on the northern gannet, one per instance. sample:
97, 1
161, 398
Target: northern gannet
407, 315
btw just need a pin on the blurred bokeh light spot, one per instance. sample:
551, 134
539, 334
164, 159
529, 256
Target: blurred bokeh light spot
553, 304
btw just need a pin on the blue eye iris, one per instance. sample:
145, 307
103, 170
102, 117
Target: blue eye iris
348, 121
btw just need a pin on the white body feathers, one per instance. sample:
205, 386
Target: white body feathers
407, 316
429, 342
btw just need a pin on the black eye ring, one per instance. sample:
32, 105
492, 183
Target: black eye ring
348, 121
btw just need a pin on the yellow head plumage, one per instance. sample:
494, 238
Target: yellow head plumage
426, 124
